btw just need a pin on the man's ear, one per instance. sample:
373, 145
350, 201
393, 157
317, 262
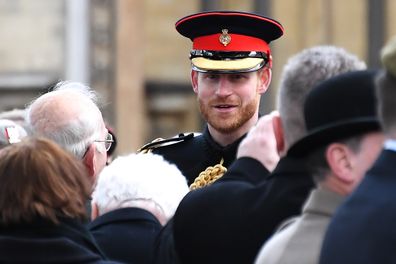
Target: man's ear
279, 134
265, 76
338, 157
194, 80
89, 161
94, 210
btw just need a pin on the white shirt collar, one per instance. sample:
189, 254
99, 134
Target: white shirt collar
390, 144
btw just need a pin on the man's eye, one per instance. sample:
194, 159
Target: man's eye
212, 76
237, 76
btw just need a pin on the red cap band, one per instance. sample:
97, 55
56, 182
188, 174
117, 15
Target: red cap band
237, 43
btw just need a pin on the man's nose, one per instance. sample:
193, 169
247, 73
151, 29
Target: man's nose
224, 87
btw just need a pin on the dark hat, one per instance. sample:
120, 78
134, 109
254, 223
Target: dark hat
228, 41
338, 108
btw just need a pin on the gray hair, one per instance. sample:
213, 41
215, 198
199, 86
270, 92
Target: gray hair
301, 73
79, 88
140, 177
74, 133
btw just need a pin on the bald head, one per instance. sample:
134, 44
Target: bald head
68, 115
56, 110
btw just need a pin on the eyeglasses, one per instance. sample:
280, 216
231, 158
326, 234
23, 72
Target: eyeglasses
108, 141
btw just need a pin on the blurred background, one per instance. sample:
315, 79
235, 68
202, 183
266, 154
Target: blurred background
129, 51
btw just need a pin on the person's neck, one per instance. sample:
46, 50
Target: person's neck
224, 139
333, 184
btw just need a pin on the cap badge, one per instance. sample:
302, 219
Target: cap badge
225, 38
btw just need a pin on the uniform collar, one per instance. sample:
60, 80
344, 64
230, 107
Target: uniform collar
228, 153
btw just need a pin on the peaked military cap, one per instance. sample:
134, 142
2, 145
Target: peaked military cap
228, 41
338, 108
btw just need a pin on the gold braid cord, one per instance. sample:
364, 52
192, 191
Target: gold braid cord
209, 176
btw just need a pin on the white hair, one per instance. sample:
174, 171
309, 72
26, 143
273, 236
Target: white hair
137, 177
79, 88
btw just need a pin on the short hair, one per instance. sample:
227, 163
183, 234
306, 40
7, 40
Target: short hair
41, 180
77, 133
301, 73
317, 163
386, 94
5, 138
140, 177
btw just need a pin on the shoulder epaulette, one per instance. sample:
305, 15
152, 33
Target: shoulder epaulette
159, 142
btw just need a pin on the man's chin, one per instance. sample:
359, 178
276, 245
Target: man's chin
224, 128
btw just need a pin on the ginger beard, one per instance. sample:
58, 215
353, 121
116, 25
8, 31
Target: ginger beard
231, 122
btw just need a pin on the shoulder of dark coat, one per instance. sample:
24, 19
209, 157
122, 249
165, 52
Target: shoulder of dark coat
161, 142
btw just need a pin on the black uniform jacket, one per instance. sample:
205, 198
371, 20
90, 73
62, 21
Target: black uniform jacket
194, 154
230, 220
44, 242
126, 234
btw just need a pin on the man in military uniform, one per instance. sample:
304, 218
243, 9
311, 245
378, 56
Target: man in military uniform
228, 222
231, 69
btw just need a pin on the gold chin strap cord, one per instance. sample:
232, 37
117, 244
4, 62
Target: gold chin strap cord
209, 176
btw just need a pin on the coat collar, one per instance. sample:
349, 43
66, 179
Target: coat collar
41, 239
324, 202
124, 214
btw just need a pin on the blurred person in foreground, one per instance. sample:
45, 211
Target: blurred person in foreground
230, 220
42, 204
341, 144
363, 229
69, 116
134, 197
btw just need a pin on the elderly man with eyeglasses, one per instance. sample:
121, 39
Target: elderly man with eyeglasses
69, 115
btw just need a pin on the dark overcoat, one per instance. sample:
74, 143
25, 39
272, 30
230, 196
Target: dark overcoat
229, 221
127, 235
44, 242
363, 228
